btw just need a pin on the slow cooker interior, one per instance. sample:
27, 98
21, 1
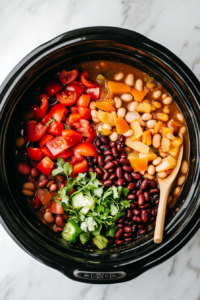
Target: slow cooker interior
65, 58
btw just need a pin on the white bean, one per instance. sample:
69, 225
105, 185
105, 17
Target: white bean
139, 85
156, 141
162, 175
131, 116
142, 123
177, 191
127, 97
157, 94
132, 106
129, 79
163, 154
107, 126
181, 180
146, 101
94, 113
92, 105
121, 112
151, 124
184, 167
164, 96
146, 117
182, 130
128, 133
100, 127
118, 102
167, 100
48, 217
180, 117
114, 137
151, 170
157, 161
119, 76
148, 176
95, 120
142, 172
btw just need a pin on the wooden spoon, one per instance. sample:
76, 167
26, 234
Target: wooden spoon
165, 186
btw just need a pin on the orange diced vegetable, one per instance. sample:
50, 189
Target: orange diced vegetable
165, 144
168, 163
157, 127
144, 107
106, 106
162, 117
106, 132
146, 137
114, 115
152, 107
136, 145
121, 125
137, 130
150, 156
165, 131
171, 124
177, 142
139, 164
174, 151
106, 117
139, 95
118, 87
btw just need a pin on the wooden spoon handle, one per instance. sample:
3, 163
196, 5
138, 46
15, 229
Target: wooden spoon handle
160, 220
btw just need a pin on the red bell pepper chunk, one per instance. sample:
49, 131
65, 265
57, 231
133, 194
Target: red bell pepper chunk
46, 119
40, 111
86, 149
72, 137
92, 137
83, 101
66, 154
74, 117
74, 109
45, 166
34, 131
34, 153
80, 167
55, 128
47, 137
84, 112
56, 208
45, 152
94, 93
57, 145
57, 111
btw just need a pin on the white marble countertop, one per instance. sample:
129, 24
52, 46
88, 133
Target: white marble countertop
24, 26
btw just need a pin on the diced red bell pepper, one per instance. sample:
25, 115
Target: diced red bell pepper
45, 166
75, 158
80, 167
46, 119
34, 153
86, 149
46, 152
74, 117
74, 110
47, 137
66, 154
40, 110
56, 208
55, 128
34, 131
76, 87
94, 93
83, 101
57, 111
92, 137
84, 112
57, 145
85, 81
72, 137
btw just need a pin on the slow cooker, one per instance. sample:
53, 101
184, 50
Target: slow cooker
126, 262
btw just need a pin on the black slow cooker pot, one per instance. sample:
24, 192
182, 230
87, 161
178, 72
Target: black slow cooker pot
96, 43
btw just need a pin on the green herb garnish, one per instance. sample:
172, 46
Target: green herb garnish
66, 126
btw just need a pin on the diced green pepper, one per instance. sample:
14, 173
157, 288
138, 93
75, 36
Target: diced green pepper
100, 241
70, 231
84, 237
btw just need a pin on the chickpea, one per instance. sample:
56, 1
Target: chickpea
94, 113
162, 175
127, 97
157, 161
146, 117
177, 191
167, 100
92, 105
48, 217
184, 167
121, 112
180, 118
151, 170
181, 180
118, 102
139, 84
119, 76
151, 124
132, 106
128, 133
157, 94
131, 116
182, 130
107, 126
20, 142
114, 137
129, 79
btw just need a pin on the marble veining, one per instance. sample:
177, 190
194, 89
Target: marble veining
24, 26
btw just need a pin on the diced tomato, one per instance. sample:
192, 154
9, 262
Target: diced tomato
74, 109
80, 167
47, 137
57, 111
67, 77
74, 117
85, 113
72, 137
94, 93
45, 197
56, 208
83, 101
92, 137
34, 131
85, 81
34, 153
66, 98
76, 87
86, 149
76, 157
55, 128
45, 152
68, 123
39, 109
57, 145
66, 154
52, 88
83, 127
45, 166
46, 119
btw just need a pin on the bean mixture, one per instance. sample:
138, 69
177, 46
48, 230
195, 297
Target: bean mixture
92, 149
